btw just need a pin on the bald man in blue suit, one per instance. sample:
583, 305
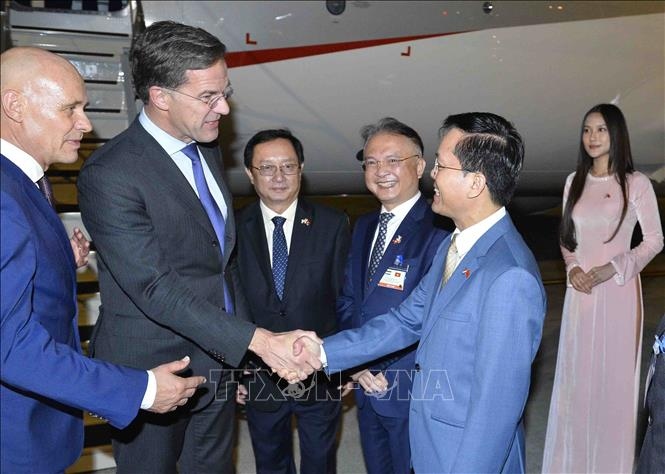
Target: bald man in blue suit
45, 380
477, 315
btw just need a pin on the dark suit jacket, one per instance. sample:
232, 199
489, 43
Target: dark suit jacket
318, 249
46, 382
416, 240
160, 266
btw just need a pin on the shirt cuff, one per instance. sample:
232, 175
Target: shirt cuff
150, 392
324, 358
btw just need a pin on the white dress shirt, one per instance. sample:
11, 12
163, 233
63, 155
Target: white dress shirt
172, 146
399, 213
269, 226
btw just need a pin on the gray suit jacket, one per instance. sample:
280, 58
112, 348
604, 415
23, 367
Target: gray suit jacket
652, 458
160, 265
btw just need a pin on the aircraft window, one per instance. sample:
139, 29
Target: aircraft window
335, 7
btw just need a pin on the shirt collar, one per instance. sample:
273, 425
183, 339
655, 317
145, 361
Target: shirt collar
25, 162
468, 237
170, 144
289, 214
401, 210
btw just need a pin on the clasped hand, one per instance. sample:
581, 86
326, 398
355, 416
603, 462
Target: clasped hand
585, 281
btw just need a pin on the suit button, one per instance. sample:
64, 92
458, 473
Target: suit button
282, 313
417, 367
215, 243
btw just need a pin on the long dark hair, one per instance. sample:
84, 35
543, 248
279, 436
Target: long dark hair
620, 164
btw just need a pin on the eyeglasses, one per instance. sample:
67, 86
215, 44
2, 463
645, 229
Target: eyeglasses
438, 167
271, 170
392, 163
210, 101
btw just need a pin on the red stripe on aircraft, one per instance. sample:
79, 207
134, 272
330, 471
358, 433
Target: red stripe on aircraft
250, 58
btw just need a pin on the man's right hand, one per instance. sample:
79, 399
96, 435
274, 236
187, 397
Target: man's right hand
173, 391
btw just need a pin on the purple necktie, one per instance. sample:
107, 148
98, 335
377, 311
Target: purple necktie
45, 187
210, 206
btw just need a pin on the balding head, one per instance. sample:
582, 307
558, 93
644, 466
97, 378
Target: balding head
43, 97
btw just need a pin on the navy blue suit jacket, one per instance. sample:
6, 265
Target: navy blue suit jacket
416, 240
46, 382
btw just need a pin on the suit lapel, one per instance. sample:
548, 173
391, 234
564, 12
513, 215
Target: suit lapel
303, 225
50, 217
395, 246
159, 163
366, 249
467, 268
213, 158
256, 235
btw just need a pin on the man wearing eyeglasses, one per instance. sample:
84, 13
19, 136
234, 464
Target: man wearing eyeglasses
160, 215
291, 255
477, 314
391, 250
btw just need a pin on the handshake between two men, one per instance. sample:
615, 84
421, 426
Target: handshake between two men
293, 355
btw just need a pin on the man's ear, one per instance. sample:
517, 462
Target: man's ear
422, 164
478, 184
159, 98
13, 105
249, 175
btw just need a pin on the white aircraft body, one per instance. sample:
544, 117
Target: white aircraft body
540, 64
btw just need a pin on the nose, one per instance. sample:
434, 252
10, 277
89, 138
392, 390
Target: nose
279, 174
222, 107
83, 124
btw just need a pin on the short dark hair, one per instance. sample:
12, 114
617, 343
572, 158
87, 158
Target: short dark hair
162, 54
265, 136
394, 127
491, 146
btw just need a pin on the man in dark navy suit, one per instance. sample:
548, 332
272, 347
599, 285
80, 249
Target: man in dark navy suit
291, 255
46, 381
382, 270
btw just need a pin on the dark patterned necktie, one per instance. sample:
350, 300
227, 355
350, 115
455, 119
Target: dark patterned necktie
280, 255
210, 206
377, 251
45, 187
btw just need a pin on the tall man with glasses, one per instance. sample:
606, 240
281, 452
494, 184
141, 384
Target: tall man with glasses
391, 250
291, 256
477, 315
159, 212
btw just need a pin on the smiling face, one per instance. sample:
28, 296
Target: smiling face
189, 119
54, 121
280, 190
596, 137
451, 186
393, 185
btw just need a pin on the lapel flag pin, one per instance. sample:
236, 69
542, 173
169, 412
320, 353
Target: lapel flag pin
305, 221
467, 273
397, 239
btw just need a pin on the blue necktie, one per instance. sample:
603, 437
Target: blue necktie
210, 206
377, 251
280, 255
